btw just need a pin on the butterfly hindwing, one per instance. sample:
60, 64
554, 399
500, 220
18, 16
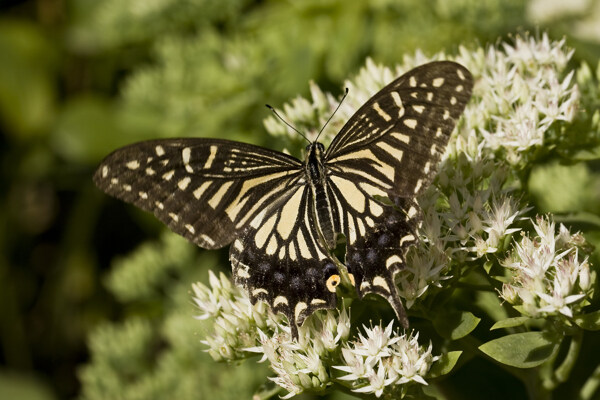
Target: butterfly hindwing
206, 190
279, 259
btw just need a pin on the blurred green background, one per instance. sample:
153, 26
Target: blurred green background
79, 78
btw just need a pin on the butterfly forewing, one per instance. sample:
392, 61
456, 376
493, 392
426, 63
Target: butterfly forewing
206, 190
401, 132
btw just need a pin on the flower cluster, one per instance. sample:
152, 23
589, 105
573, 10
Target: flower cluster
381, 359
522, 93
235, 319
548, 276
304, 364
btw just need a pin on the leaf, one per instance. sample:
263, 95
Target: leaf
509, 323
587, 154
445, 364
589, 322
521, 350
455, 325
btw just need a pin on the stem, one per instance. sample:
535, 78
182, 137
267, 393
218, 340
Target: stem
561, 374
266, 394
590, 386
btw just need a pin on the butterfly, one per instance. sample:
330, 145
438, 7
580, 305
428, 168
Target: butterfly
283, 216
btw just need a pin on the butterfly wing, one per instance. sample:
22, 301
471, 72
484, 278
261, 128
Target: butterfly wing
214, 192
279, 259
397, 137
206, 190
390, 148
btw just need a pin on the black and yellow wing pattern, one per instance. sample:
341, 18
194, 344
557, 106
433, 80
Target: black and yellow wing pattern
282, 215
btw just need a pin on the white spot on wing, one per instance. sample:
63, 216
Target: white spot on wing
397, 99
183, 184
407, 238
159, 151
242, 272
352, 194
200, 190
375, 208
272, 246
258, 291
211, 157
216, 199
185, 157
207, 239
135, 164
401, 137
280, 300
168, 175
393, 260
104, 171
411, 123
379, 281
437, 82
394, 152
265, 231
381, 113
301, 306
418, 108
289, 214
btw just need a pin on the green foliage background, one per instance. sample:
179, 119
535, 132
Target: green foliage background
79, 78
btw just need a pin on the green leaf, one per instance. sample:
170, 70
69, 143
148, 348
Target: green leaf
455, 325
522, 350
445, 364
509, 323
589, 322
587, 154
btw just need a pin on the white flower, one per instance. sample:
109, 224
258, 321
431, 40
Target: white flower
382, 359
546, 273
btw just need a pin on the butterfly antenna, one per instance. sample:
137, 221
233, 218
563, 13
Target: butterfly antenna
332, 114
287, 123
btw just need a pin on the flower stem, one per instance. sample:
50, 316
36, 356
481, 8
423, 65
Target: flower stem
590, 387
562, 372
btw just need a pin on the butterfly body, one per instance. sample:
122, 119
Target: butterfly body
282, 215
316, 175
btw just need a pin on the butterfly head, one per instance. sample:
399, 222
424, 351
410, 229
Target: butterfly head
316, 148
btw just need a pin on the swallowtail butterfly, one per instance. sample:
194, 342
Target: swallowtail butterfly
283, 215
